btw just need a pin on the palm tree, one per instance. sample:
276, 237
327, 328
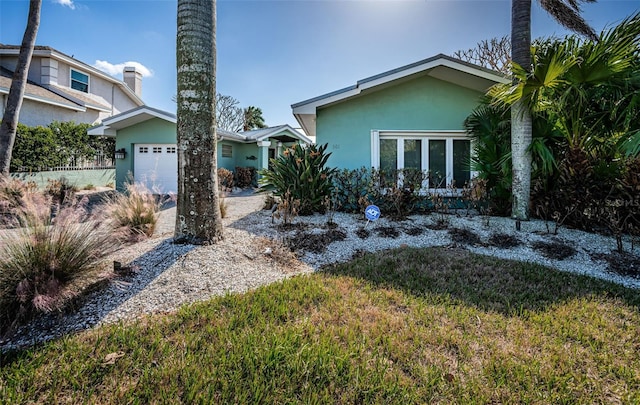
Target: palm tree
253, 118
567, 13
18, 86
198, 217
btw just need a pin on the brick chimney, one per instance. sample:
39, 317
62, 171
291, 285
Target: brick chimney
133, 79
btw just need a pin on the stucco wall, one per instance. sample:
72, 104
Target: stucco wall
420, 104
33, 114
154, 130
102, 91
79, 178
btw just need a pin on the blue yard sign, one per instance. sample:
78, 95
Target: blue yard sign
372, 213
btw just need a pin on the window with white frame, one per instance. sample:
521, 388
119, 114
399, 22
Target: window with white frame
446, 156
79, 81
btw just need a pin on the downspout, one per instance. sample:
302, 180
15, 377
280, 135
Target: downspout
113, 91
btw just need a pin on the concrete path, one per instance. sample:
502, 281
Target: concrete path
239, 204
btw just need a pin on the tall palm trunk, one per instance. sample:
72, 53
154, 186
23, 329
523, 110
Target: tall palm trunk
520, 114
18, 86
198, 218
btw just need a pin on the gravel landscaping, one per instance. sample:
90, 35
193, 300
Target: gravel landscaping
157, 276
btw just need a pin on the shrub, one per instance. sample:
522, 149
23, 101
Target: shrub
61, 191
350, 186
590, 192
301, 174
40, 148
41, 260
245, 177
225, 179
134, 212
17, 199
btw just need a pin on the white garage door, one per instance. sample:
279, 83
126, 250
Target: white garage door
156, 166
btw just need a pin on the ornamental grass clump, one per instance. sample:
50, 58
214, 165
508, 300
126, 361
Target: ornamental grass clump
18, 198
301, 174
41, 261
134, 213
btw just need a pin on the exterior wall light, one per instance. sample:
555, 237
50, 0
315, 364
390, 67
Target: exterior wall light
120, 153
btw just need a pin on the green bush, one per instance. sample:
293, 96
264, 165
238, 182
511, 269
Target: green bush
39, 261
301, 172
40, 148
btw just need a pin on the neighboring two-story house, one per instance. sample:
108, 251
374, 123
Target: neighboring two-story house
61, 88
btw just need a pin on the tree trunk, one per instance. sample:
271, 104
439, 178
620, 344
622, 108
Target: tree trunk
18, 86
198, 218
520, 114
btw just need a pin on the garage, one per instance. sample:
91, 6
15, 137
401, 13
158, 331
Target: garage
156, 166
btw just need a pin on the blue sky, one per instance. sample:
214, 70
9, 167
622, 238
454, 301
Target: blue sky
272, 53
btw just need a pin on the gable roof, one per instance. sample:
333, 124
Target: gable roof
83, 101
111, 125
35, 92
441, 67
280, 131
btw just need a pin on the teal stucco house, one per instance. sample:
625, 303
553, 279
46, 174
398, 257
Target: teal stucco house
409, 117
146, 147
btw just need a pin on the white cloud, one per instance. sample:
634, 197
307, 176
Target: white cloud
68, 3
116, 69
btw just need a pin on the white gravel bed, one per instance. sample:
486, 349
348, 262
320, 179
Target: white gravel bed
586, 244
165, 276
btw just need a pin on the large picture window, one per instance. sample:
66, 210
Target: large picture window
445, 156
79, 81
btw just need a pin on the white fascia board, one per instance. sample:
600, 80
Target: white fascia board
475, 72
102, 130
310, 108
47, 101
431, 65
285, 128
140, 111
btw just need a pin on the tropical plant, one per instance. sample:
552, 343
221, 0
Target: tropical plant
588, 88
198, 217
300, 173
18, 85
567, 13
489, 125
253, 118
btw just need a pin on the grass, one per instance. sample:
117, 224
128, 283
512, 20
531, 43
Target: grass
431, 325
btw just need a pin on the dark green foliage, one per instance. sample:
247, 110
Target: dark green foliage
34, 149
356, 189
301, 172
40, 148
350, 187
591, 193
245, 177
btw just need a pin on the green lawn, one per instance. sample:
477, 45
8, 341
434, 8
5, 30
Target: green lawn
406, 326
